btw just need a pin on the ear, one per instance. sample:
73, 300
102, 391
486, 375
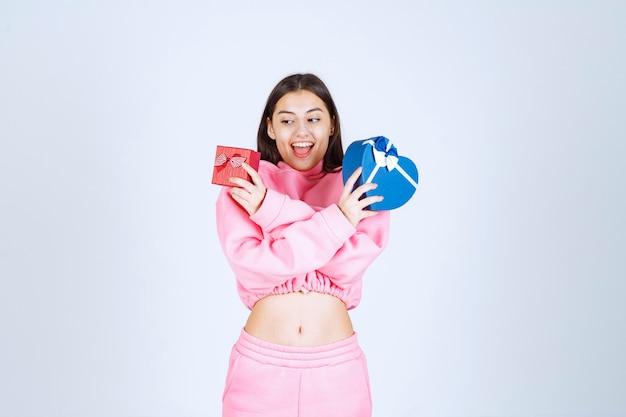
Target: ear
332, 126
270, 129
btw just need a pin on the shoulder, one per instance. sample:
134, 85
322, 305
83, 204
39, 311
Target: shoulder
267, 166
268, 171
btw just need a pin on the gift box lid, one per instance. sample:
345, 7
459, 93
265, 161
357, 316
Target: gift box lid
395, 175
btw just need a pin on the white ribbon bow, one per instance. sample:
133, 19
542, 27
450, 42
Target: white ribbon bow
384, 159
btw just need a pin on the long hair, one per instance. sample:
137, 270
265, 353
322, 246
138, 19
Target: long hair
294, 83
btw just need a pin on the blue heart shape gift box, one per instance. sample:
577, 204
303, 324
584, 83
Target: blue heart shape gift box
395, 175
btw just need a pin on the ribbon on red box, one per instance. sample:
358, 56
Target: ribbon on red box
235, 161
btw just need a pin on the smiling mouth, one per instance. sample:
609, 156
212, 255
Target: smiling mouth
302, 149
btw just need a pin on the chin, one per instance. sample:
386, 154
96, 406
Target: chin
302, 166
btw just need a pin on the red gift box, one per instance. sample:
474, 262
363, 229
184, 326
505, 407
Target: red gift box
228, 162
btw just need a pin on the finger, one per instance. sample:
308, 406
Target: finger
368, 201
254, 175
238, 194
241, 183
352, 179
347, 189
368, 213
244, 203
364, 188
234, 194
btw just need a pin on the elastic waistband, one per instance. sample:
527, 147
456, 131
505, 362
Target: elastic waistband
298, 356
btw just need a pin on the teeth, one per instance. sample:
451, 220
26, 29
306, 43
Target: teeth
302, 144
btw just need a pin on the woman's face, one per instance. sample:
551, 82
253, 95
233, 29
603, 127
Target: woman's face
301, 126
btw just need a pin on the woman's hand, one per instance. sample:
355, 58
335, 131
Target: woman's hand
248, 194
349, 203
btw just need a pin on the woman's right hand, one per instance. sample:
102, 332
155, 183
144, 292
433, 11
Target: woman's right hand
350, 202
249, 194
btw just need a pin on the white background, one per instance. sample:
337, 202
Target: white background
501, 292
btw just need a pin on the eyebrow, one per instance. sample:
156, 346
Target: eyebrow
308, 111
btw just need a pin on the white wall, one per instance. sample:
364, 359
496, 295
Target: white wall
501, 292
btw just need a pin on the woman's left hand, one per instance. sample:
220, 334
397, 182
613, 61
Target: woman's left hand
248, 194
353, 203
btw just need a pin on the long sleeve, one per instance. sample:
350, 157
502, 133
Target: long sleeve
263, 260
359, 251
298, 240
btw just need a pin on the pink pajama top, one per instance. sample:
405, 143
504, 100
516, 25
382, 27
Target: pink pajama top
298, 240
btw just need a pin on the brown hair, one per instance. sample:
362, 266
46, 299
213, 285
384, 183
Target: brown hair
293, 83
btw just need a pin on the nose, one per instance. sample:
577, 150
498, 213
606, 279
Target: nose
302, 129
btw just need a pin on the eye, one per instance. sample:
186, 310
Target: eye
286, 121
314, 119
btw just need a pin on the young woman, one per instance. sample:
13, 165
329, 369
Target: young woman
299, 242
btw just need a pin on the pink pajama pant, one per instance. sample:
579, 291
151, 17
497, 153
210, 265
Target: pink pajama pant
270, 380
